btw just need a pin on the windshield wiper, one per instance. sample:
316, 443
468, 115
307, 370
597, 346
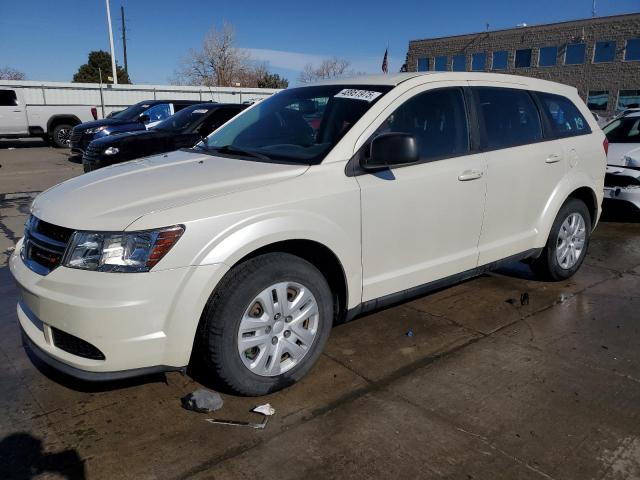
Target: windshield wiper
241, 151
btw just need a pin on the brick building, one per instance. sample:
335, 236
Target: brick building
599, 56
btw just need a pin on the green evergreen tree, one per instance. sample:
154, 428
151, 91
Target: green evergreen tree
88, 73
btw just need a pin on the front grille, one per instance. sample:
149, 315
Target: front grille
74, 345
75, 138
44, 245
91, 154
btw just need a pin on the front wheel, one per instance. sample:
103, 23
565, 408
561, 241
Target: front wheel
266, 324
567, 244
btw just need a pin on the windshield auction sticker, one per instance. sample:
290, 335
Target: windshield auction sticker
354, 94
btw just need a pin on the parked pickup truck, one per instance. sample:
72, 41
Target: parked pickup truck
50, 122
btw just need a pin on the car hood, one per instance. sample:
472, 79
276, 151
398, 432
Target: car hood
136, 136
104, 121
113, 197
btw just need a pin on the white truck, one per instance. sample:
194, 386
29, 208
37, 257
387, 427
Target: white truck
51, 109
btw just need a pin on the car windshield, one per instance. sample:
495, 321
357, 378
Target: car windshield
623, 130
184, 118
297, 125
132, 112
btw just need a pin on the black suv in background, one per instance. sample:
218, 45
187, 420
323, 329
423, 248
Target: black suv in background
184, 129
140, 116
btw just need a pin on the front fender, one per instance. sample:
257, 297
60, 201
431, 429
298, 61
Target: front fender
250, 234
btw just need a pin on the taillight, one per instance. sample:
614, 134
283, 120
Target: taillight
94, 113
605, 145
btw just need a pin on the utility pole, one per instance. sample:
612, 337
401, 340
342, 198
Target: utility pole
593, 9
113, 56
124, 39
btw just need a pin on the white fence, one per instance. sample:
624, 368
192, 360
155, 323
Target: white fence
117, 97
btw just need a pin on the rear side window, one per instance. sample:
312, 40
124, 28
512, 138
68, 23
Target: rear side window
8, 98
563, 115
623, 130
510, 117
438, 121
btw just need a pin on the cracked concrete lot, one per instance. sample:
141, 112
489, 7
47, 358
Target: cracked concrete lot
487, 387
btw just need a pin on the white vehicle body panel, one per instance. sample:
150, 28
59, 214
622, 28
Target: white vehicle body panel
389, 233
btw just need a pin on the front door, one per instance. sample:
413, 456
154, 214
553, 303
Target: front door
422, 222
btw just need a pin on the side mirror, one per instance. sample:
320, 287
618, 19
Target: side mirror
389, 150
143, 118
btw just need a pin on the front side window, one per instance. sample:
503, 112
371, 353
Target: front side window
509, 117
574, 54
632, 50
564, 117
623, 130
423, 64
523, 58
158, 112
548, 56
8, 98
459, 63
478, 61
185, 118
604, 52
598, 99
297, 125
437, 119
500, 60
628, 99
441, 64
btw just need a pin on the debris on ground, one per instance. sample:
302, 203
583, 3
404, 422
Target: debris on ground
524, 299
266, 410
510, 301
410, 332
202, 401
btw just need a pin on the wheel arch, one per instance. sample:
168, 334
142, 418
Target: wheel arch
589, 198
56, 120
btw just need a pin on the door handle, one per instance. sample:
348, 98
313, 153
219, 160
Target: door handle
17, 111
553, 158
470, 175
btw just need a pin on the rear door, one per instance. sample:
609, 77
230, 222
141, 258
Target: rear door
421, 222
523, 170
13, 118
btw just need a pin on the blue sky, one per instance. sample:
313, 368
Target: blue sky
48, 40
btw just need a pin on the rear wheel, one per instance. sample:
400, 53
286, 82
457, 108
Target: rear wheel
266, 324
567, 244
60, 135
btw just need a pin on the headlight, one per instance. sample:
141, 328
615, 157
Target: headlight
122, 251
111, 151
91, 131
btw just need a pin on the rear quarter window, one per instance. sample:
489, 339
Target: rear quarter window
564, 117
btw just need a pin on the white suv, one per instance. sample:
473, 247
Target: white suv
313, 206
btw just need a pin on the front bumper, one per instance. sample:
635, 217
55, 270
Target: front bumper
141, 322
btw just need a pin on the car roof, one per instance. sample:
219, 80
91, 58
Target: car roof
165, 100
398, 78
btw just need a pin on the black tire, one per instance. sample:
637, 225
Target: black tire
221, 319
547, 266
60, 135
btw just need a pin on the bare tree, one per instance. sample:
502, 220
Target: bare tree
8, 73
219, 63
330, 68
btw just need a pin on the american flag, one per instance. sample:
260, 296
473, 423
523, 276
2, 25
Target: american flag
385, 61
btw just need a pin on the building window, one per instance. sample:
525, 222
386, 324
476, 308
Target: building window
478, 61
598, 99
628, 99
548, 56
500, 60
459, 63
574, 54
441, 64
423, 64
632, 50
604, 52
523, 58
